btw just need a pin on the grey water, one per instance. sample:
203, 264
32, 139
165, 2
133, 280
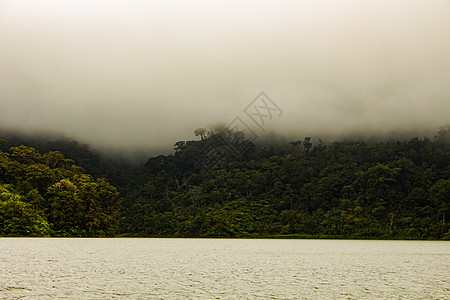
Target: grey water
144, 268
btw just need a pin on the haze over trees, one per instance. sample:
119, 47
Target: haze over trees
223, 185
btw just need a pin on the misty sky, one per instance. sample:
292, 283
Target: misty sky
127, 73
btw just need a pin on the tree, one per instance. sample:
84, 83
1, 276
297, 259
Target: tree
440, 197
24, 154
179, 146
443, 135
295, 144
307, 144
47, 195
200, 132
18, 218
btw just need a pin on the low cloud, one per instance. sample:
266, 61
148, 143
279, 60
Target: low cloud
144, 74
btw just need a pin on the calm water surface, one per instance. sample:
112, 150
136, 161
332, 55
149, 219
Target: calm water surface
222, 269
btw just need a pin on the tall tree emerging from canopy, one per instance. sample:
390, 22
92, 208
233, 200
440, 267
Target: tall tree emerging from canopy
200, 132
307, 144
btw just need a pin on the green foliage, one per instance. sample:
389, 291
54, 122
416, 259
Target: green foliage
222, 185
18, 218
345, 189
46, 195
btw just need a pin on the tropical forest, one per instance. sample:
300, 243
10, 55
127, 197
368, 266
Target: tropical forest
223, 185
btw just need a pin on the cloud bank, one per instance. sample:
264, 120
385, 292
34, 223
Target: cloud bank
144, 74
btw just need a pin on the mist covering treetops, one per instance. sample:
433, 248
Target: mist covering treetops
333, 67
224, 185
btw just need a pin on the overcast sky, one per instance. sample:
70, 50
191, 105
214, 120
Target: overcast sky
127, 73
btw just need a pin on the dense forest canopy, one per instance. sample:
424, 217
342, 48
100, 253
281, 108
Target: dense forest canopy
223, 185
47, 195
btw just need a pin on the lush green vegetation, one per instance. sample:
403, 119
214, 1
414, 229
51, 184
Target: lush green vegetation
47, 195
226, 186
345, 189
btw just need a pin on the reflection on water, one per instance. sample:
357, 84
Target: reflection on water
50, 268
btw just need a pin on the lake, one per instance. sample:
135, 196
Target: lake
145, 268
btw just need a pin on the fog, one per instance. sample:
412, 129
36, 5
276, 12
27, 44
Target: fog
129, 74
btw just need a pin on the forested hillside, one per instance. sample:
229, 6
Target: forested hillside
226, 186
47, 195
